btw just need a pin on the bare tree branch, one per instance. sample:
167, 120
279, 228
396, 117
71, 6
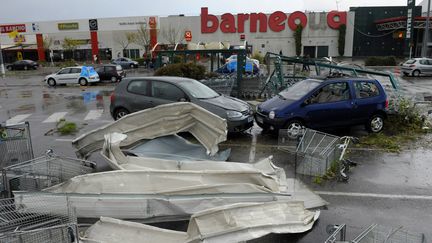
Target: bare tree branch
172, 35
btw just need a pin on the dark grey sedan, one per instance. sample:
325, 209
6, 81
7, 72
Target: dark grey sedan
135, 94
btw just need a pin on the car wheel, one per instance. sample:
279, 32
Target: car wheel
294, 129
25, 68
113, 79
51, 82
416, 73
131, 66
82, 82
119, 113
10, 68
375, 123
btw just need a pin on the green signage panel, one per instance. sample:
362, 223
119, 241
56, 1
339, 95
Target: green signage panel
68, 26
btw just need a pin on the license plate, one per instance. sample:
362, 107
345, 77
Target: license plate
250, 119
259, 119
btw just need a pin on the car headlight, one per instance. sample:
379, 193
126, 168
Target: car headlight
233, 114
272, 115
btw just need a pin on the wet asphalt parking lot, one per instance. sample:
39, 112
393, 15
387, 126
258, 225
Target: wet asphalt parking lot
385, 188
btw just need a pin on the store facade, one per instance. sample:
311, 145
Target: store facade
108, 37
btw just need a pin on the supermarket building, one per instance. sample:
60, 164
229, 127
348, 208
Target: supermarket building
270, 32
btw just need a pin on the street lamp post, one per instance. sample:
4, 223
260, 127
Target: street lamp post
426, 32
2, 67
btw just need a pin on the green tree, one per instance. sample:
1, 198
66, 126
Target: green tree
70, 45
125, 40
341, 39
298, 39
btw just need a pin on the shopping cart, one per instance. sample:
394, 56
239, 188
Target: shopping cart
317, 152
43, 172
15, 144
375, 234
223, 85
38, 218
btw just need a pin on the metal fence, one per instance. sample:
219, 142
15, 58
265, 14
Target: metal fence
15, 144
43, 172
37, 218
315, 151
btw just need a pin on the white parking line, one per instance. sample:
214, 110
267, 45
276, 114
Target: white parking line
374, 195
94, 114
55, 117
17, 119
64, 140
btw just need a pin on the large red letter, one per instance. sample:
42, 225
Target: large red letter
228, 23
294, 16
241, 18
254, 17
205, 18
336, 19
276, 20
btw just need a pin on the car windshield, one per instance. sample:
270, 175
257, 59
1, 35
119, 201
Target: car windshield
412, 61
198, 90
299, 89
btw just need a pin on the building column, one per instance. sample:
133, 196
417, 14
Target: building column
40, 47
153, 33
94, 45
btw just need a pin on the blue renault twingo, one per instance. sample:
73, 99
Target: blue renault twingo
315, 103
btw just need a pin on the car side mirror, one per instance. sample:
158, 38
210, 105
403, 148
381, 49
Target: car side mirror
305, 103
183, 100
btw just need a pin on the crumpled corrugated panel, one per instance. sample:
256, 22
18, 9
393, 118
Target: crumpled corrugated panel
208, 128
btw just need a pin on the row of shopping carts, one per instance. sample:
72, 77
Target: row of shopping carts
40, 217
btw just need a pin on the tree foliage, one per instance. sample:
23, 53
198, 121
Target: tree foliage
70, 44
298, 39
126, 39
341, 39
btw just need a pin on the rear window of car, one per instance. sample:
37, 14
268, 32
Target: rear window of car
364, 89
412, 61
110, 68
138, 87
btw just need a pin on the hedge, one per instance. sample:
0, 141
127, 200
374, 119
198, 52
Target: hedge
187, 70
380, 61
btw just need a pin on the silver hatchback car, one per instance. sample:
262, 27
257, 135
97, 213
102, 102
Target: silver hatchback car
417, 67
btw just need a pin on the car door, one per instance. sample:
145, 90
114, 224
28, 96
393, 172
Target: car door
74, 75
63, 76
367, 96
164, 93
19, 65
329, 106
138, 95
101, 72
110, 71
423, 66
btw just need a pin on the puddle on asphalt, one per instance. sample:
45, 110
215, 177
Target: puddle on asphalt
25, 94
29, 108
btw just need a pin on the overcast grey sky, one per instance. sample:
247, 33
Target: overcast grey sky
41, 10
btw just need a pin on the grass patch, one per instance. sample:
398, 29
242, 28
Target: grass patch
65, 128
399, 129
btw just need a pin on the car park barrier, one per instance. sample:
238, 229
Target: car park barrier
37, 219
43, 172
15, 144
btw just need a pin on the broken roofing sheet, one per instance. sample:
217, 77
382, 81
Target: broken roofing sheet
208, 128
231, 223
